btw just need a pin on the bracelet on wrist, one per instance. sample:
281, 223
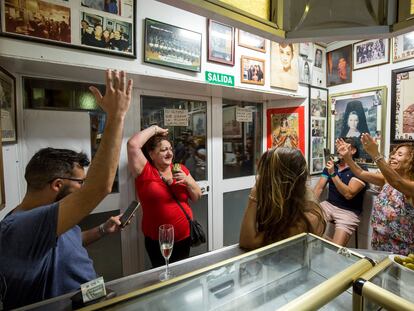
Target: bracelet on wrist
102, 231
377, 158
332, 175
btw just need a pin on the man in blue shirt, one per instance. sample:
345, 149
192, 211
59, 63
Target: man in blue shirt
41, 246
345, 198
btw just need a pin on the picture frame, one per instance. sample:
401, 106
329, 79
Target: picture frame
369, 53
220, 43
319, 66
184, 46
284, 72
401, 107
8, 107
2, 188
318, 128
403, 47
356, 112
252, 70
231, 127
305, 70
306, 50
85, 24
199, 123
286, 128
339, 66
251, 41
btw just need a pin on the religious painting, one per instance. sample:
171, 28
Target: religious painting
286, 128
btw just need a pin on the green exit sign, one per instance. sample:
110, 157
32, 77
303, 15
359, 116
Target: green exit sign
219, 78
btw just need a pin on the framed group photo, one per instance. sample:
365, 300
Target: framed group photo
220, 43
370, 53
357, 112
402, 105
8, 107
251, 41
285, 128
403, 47
252, 70
96, 25
318, 122
339, 66
172, 46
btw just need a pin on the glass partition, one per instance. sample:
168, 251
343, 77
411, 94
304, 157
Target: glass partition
264, 279
242, 138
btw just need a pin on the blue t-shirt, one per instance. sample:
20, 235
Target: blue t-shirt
34, 263
336, 198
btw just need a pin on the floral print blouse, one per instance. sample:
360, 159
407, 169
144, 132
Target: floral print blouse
392, 221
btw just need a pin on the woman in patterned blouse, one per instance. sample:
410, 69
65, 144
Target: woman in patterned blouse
392, 218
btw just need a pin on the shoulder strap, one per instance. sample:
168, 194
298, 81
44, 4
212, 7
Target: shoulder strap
174, 197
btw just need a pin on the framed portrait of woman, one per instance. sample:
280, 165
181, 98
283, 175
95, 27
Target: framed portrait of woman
357, 112
318, 123
339, 66
402, 107
284, 66
285, 128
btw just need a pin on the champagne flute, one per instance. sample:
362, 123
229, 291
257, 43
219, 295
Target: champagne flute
166, 239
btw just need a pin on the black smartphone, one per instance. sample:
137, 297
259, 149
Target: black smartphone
327, 154
132, 208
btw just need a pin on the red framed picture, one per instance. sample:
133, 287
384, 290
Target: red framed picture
286, 128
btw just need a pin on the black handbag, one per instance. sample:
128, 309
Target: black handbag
197, 234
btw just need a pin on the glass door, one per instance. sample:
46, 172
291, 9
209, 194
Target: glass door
187, 121
238, 126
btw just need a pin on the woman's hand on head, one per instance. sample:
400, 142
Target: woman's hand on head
160, 131
370, 145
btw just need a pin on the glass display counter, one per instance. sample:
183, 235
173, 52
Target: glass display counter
302, 270
388, 285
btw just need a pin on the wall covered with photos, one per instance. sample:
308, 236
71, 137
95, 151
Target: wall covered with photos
386, 98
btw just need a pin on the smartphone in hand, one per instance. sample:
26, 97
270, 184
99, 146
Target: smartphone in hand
327, 154
130, 211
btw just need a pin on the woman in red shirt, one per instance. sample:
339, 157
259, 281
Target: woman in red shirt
150, 160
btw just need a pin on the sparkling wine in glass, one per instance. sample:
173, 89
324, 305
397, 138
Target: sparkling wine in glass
166, 239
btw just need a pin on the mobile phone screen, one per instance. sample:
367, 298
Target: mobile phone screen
327, 154
133, 206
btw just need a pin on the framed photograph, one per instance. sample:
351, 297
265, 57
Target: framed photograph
319, 66
8, 107
318, 122
199, 124
172, 46
339, 64
231, 127
96, 25
251, 41
403, 47
402, 105
357, 112
306, 50
252, 70
2, 191
284, 71
286, 128
370, 53
305, 71
220, 43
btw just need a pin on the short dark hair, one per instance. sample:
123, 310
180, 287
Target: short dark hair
50, 163
152, 143
353, 142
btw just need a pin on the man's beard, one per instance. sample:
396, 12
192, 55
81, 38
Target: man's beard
62, 193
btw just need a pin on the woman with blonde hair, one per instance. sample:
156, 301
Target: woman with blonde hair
279, 206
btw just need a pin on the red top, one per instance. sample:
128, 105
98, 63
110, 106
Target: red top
158, 205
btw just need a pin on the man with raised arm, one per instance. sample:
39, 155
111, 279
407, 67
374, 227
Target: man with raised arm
41, 245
